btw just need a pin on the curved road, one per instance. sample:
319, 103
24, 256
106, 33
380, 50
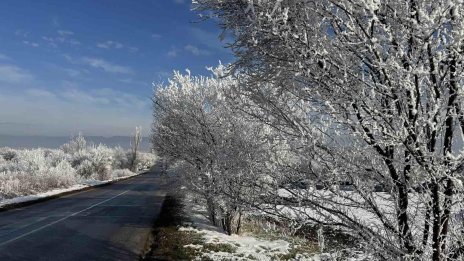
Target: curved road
106, 223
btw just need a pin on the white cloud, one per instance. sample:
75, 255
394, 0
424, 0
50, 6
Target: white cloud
69, 58
64, 37
55, 41
56, 22
195, 50
50, 41
21, 33
106, 66
78, 96
156, 36
116, 45
39, 93
64, 33
14, 74
4, 57
160, 77
74, 42
122, 99
133, 82
73, 72
103, 45
110, 45
172, 53
33, 44
209, 39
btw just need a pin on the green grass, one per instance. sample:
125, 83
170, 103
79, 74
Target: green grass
170, 244
167, 241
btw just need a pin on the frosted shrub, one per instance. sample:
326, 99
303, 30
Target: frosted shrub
34, 171
76, 145
145, 160
104, 173
7, 153
9, 185
60, 176
26, 172
93, 162
85, 169
120, 158
55, 157
77, 160
48, 169
31, 161
101, 157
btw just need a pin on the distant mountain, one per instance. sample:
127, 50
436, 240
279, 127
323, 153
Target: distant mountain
54, 142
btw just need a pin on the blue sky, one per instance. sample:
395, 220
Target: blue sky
70, 66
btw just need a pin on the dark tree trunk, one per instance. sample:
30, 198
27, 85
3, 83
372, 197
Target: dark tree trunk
425, 237
436, 255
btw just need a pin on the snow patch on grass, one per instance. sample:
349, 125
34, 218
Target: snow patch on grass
216, 245
243, 246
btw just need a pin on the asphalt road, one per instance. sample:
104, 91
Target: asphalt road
106, 223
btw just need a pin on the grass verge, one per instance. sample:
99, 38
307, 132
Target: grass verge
167, 241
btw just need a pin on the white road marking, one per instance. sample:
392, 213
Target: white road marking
61, 219
138, 206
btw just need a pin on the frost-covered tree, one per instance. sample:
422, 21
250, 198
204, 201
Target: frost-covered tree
218, 147
75, 145
368, 92
135, 147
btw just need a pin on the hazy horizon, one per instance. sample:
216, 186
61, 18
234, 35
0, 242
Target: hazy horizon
53, 142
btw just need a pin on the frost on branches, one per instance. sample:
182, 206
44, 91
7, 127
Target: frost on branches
366, 93
195, 124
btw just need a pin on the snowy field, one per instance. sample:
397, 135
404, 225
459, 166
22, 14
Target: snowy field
344, 201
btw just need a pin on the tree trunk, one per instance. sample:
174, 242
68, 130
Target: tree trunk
426, 232
239, 222
436, 255
211, 207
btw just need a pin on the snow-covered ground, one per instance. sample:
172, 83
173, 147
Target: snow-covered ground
243, 247
253, 248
